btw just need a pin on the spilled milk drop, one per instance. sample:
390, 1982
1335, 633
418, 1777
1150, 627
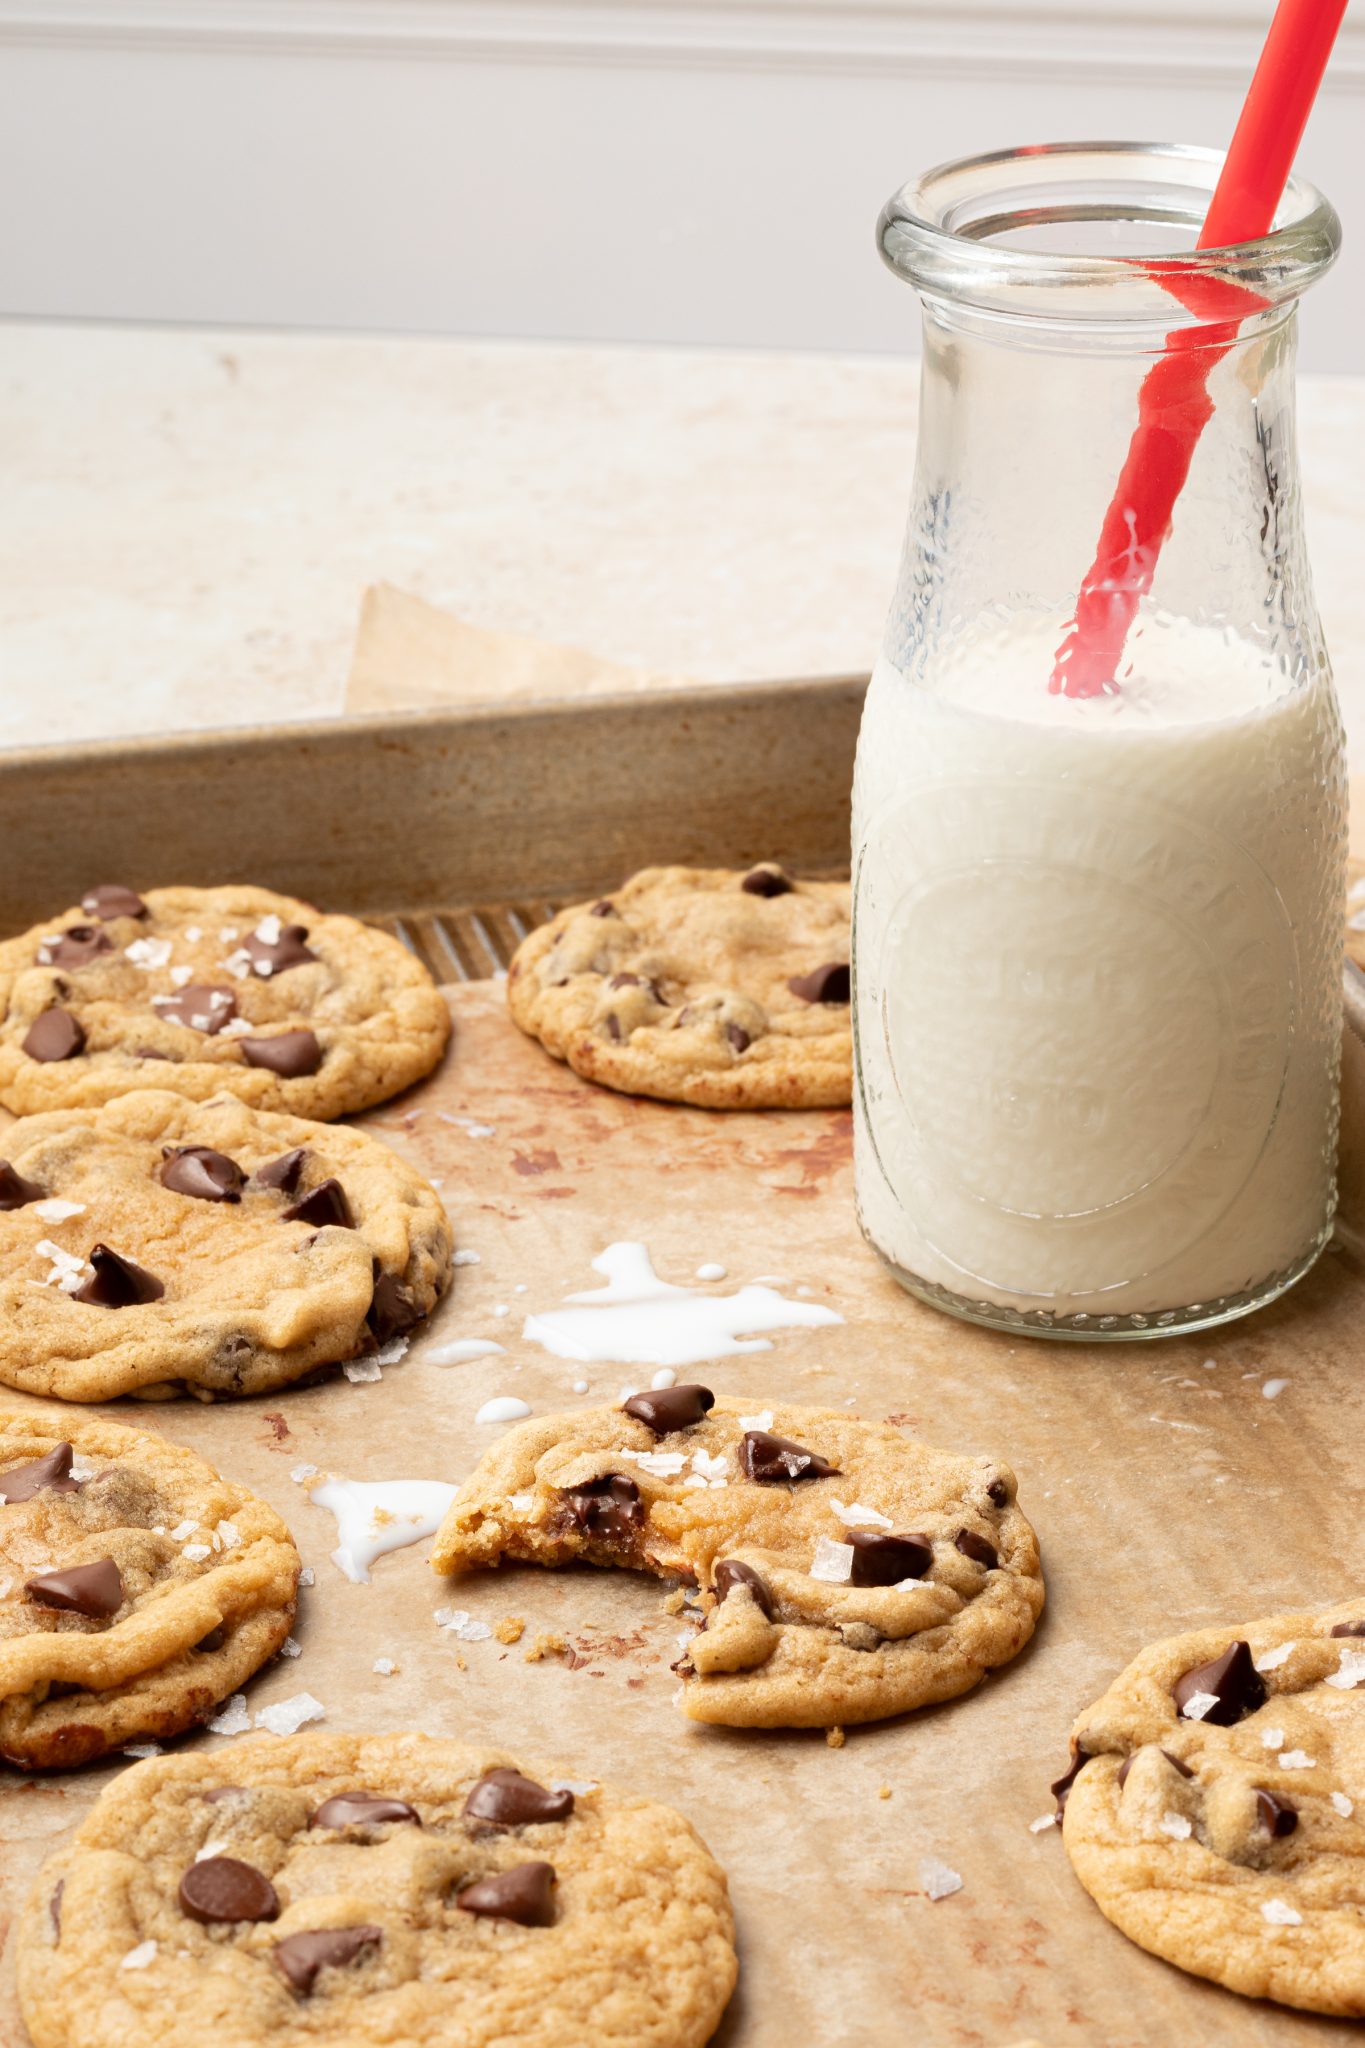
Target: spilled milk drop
639, 1319
374, 1517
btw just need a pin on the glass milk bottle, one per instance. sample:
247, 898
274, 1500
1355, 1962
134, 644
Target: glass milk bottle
1097, 937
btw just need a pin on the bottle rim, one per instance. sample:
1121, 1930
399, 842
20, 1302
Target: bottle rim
941, 231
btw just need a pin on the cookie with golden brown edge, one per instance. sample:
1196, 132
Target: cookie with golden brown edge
209, 992
160, 1245
348, 1890
138, 1589
698, 985
848, 1572
1215, 1807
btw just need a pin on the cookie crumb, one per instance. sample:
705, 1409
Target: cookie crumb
543, 1646
883, 1791
835, 1737
510, 1628
675, 1601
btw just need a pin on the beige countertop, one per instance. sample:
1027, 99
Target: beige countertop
189, 518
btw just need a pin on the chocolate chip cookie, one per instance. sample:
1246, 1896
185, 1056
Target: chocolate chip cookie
209, 992
159, 1245
349, 1890
1215, 1806
137, 1588
845, 1572
700, 985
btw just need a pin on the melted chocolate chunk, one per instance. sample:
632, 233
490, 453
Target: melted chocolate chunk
15, 1191
117, 1282
765, 1457
1236, 1685
270, 957
670, 1408
604, 907
609, 1508
299, 1957
361, 1809
220, 1890
214, 1640
977, 1548
1060, 1788
737, 1038
326, 1203
392, 1309
201, 1007
207, 1175
282, 1173
504, 1799
766, 881
111, 899
827, 984
48, 1474
730, 1573
290, 1054
1343, 1628
76, 947
998, 1494
884, 1560
613, 1027
1277, 1815
94, 1590
54, 1035
526, 1894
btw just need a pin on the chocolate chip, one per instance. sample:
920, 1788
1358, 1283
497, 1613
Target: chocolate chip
1060, 1788
976, 1548
95, 1590
214, 1640
201, 1007
1343, 1628
998, 1494
603, 908
270, 957
290, 1054
54, 1907
48, 1474
737, 1037
730, 1573
219, 1890
54, 1035
111, 899
15, 1191
526, 1894
609, 1508
1236, 1685
117, 1282
882, 1560
392, 1309
766, 881
326, 1203
624, 981
299, 1957
1277, 1815
670, 1408
1185, 1770
76, 947
504, 1799
207, 1175
613, 1027
282, 1173
763, 1456
827, 984
361, 1809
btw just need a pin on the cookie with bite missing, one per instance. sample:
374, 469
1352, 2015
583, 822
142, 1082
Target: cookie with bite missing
847, 1572
209, 992
138, 1589
159, 1245
343, 1890
701, 985
1215, 1806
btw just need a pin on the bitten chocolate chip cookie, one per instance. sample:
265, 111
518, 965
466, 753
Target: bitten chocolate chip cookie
137, 1588
212, 991
849, 1573
1215, 1806
700, 985
349, 1890
158, 1245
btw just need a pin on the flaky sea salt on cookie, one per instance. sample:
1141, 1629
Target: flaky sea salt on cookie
212, 991
1215, 1806
851, 1572
138, 1589
348, 1890
159, 1244
724, 989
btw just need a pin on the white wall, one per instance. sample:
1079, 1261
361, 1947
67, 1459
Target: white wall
705, 172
